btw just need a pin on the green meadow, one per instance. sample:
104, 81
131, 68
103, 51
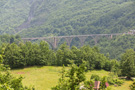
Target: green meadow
43, 78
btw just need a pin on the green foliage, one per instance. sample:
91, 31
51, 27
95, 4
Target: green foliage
8, 82
111, 80
116, 46
114, 81
94, 59
13, 56
55, 17
5, 87
95, 77
81, 17
132, 87
71, 79
115, 67
103, 81
64, 55
9, 39
30, 54
127, 63
89, 84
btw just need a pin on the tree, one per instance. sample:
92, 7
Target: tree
128, 63
12, 39
13, 57
115, 67
89, 56
44, 53
71, 79
94, 59
7, 81
64, 55
103, 81
76, 53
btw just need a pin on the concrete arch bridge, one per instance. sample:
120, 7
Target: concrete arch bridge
56, 39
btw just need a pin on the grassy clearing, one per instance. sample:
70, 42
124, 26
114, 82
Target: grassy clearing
125, 86
43, 78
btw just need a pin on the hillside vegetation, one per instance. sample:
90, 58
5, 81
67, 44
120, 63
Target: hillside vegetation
38, 18
116, 46
46, 77
12, 14
35, 18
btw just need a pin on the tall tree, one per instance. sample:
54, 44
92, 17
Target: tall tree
7, 81
128, 63
44, 53
13, 57
64, 55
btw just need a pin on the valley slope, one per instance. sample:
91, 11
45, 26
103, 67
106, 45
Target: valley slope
40, 18
37, 18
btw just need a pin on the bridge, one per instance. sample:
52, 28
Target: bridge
54, 40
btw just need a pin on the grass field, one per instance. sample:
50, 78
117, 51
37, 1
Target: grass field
43, 78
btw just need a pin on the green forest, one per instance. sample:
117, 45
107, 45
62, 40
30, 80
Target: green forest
16, 55
40, 18
43, 18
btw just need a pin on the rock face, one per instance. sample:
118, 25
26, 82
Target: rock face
26, 23
38, 14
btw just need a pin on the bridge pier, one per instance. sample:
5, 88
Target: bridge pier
55, 42
69, 40
95, 39
111, 36
26, 40
82, 40
52, 41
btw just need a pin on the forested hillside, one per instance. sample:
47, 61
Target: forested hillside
116, 46
35, 18
38, 18
12, 14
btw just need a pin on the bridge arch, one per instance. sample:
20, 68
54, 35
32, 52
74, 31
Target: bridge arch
82, 39
90, 41
53, 41
50, 44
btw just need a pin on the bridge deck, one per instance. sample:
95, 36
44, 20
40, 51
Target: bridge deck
72, 36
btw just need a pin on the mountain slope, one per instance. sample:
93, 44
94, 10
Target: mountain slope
66, 17
12, 14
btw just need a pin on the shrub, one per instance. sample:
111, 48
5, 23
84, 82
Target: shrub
89, 84
95, 77
132, 87
115, 81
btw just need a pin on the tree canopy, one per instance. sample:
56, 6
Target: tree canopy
128, 63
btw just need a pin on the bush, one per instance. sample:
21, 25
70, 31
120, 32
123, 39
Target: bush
95, 77
89, 84
8, 82
118, 82
71, 79
115, 81
132, 87
5, 87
